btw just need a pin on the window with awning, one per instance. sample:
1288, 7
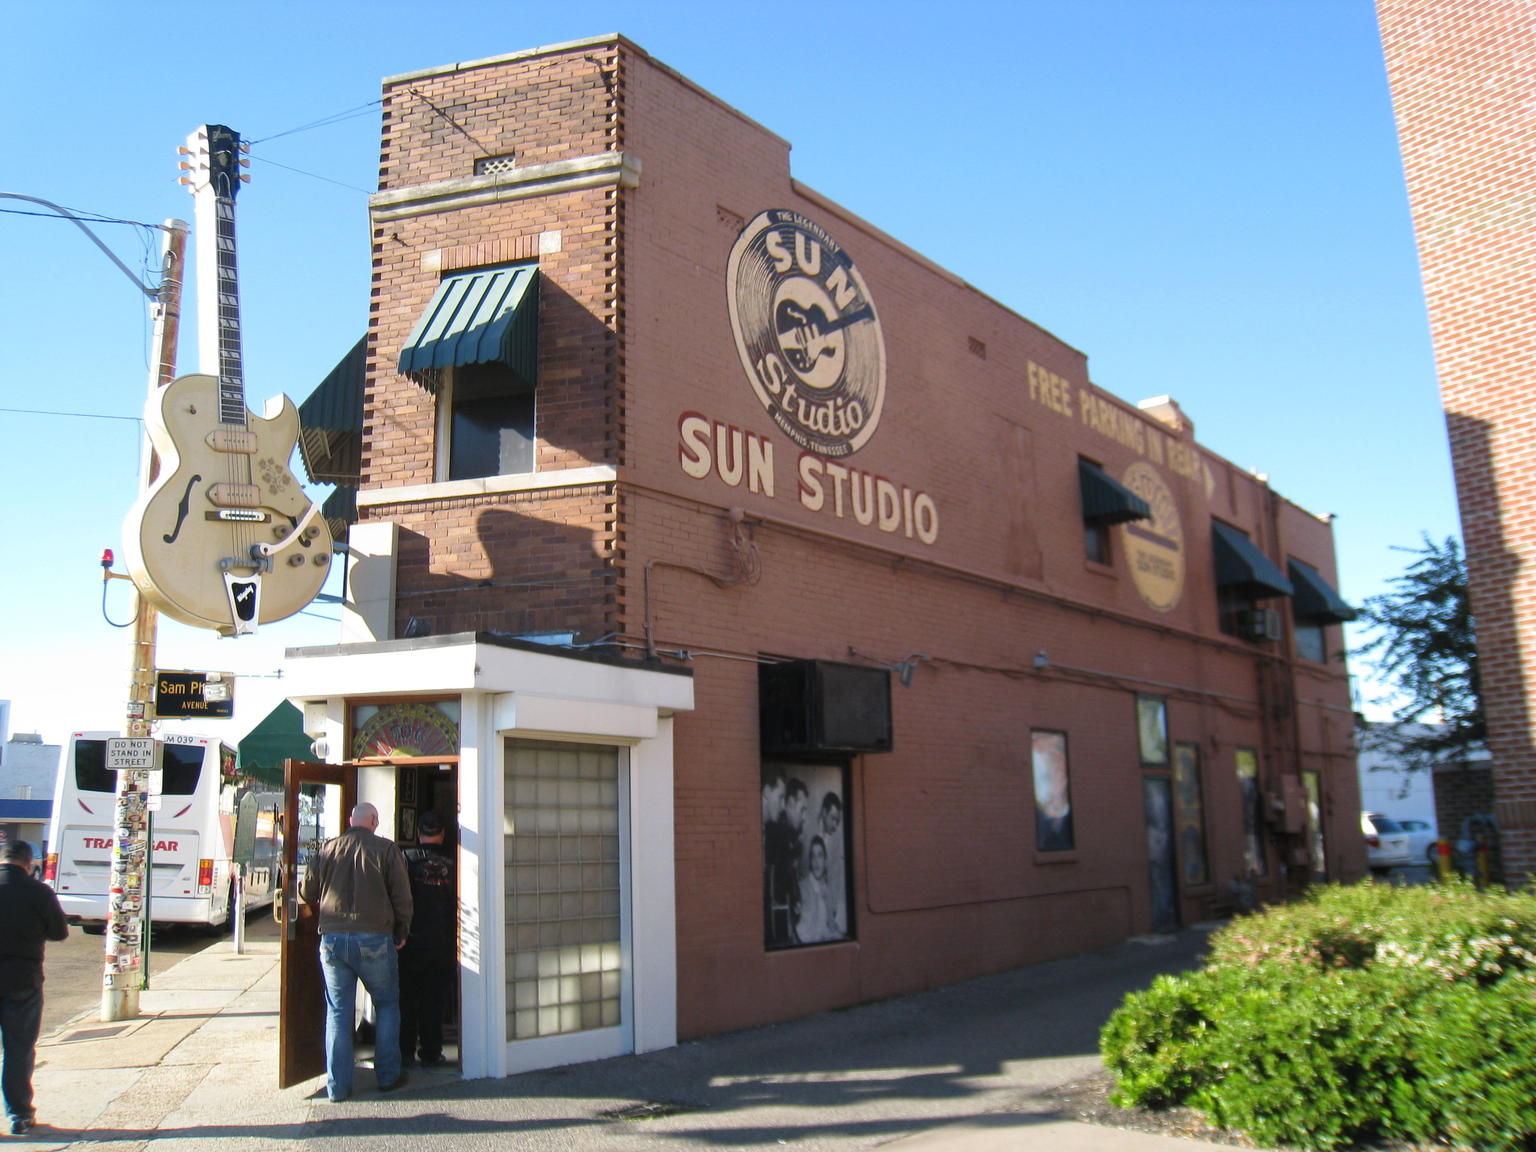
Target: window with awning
481, 317
476, 346
1315, 599
1242, 567
1107, 501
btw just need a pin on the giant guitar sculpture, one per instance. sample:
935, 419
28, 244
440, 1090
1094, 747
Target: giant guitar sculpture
225, 537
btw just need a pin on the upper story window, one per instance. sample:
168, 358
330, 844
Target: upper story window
1314, 607
1106, 502
1245, 580
476, 347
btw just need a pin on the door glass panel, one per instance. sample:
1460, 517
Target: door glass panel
320, 818
564, 893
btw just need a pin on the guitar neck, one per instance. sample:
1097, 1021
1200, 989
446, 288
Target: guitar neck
232, 409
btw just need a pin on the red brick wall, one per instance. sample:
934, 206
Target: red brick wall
1463, 77
517, 563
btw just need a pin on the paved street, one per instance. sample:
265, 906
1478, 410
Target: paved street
75, 966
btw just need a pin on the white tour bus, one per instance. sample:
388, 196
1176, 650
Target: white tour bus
206, 824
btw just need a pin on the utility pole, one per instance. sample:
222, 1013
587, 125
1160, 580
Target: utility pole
129, 893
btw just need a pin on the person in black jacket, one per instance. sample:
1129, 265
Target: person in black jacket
29, 916
428, 962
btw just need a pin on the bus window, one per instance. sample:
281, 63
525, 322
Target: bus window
91, 773
183, 764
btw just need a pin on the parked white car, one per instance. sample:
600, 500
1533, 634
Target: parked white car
1386, 843
1421, 839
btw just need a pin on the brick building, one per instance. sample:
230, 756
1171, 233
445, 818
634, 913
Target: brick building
790, 624
1463, 79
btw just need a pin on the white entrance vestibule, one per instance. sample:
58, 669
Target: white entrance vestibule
567, 929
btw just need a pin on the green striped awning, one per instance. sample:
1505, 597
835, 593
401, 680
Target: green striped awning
1315, 600
1239, 563
1106, 500
477, 318
331, 422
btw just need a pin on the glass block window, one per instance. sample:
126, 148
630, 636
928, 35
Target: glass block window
564, 891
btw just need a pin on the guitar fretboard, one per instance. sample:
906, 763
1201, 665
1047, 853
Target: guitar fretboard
232, 408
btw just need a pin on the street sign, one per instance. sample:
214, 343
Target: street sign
180, 695
130, 753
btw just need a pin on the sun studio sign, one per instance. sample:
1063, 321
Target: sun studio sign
811, 345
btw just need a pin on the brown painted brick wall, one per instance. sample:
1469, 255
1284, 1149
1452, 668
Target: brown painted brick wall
1463, 77
986, 414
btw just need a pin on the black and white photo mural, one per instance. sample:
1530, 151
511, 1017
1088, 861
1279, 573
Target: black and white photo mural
806, 879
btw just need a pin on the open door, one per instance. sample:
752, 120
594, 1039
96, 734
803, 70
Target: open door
317, 801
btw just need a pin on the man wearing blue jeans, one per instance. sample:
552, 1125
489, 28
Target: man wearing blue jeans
29, 916
359, 885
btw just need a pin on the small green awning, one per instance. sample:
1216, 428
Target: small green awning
1316, 601
1240, 564
331, 422
477, 318
340, 511
277, 738
1106, 500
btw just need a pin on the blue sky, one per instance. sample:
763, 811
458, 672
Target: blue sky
1205, 196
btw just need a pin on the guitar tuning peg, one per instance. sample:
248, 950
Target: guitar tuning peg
183, 150
244, 163
245, 177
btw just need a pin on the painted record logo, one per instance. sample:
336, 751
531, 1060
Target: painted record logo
807, 332
1155, 548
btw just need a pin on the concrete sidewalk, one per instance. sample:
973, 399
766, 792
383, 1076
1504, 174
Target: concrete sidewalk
956, 1069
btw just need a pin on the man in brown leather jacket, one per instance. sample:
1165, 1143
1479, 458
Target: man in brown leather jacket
359, 885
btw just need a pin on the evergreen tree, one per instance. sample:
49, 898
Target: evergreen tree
1426, 647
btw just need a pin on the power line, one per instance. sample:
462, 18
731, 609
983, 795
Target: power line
312, 175
335, 118
75, 415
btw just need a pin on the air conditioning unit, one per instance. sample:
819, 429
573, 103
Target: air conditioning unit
1259, 624
811, 707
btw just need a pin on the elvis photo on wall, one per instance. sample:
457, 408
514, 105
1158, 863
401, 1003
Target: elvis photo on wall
805, 870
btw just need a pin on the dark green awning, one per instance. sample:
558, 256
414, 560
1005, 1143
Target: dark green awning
1106, 500
1240, 564
340, 511
477, 318
277, 738
331, 422
1315, 600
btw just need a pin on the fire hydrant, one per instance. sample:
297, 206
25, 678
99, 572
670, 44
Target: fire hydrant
1444, 861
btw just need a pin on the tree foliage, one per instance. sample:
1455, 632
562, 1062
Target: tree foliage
1425, 645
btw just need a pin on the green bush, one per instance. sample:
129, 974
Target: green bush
1362, 1012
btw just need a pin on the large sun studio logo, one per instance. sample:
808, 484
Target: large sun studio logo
807, 332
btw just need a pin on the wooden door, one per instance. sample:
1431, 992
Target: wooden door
317, 801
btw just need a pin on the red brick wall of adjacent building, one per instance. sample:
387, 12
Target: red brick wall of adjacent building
994, 626
1463, 79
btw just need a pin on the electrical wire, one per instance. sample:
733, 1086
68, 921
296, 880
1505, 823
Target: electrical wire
324, 121
311, 175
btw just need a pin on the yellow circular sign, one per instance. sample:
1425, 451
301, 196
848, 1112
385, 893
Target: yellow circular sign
1155, 548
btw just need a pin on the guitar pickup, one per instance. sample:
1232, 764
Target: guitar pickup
235, 495
242, 515
226, 439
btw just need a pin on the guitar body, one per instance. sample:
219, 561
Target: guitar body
224, 492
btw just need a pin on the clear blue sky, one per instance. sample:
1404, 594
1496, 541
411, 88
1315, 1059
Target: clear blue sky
1205, 196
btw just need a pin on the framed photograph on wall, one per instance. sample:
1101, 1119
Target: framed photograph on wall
407, 824
1252, 801
1053, 792
1152, 729
1189, 809
807, 882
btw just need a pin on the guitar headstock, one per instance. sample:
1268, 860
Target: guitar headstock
214, 156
